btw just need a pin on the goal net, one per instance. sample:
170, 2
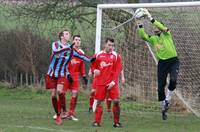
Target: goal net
116, 20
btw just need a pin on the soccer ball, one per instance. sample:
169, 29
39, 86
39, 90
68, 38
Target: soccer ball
140, 13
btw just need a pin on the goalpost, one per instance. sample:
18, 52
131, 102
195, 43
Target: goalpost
182, 18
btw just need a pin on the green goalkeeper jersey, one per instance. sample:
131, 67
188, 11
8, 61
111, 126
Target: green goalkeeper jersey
163, 45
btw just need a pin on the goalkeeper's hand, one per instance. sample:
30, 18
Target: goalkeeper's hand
70, 79
85, 80
146, 12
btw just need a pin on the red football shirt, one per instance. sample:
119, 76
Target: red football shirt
108, 66
76, 67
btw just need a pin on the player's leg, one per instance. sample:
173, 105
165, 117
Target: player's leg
114, 95
108, 104
63, 101
163, 69
51, 84
100, 95
116, 113
64, 113
54, 100
74, 87
67, 87
174, 69
73, 102
60, 88
98, 114
92, 93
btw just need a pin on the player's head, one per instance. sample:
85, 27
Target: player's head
156, 31
77, 40
64, 35
109, 45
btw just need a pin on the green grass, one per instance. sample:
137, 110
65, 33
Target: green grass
29, 110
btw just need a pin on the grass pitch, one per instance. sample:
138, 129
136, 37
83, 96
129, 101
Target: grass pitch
30, 110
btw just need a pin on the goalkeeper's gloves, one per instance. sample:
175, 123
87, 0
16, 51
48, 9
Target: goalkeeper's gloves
146, 12
85, 80
70, 79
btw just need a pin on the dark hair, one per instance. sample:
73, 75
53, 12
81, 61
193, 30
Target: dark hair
110, 39
79, 36
62, 33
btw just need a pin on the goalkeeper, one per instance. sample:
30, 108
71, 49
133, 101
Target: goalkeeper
165, 51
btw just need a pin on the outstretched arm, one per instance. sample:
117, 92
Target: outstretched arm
81, 56
142, 33
159, 25
56, 49
156, 23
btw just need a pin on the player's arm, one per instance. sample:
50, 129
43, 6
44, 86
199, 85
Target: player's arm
57, 50
156, 23
159, 25
69, 77
115, 72
142, 34
82, 56
120, 69
83, 73
119, 64
95, 67
90, 73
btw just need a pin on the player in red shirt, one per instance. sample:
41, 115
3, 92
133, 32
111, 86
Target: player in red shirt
108, 100
120, 68
105, 69
76, 68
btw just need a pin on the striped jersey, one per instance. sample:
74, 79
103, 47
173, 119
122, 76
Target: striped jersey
60, 57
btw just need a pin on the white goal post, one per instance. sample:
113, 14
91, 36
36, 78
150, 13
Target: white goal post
99, 29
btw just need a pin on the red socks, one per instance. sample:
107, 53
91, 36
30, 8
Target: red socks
73, 105
91, 99
116, 112
63, 101
98, 114
56, 105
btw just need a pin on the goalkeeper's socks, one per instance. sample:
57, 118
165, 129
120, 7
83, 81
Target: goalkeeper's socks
72, 104
108, 103
54, 103
62, 99
162, 105
169, 95
116, 112
98, 114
